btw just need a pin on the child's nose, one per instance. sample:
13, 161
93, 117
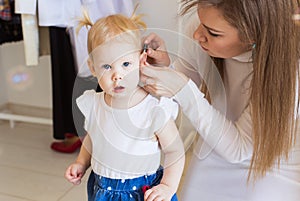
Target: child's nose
117, 76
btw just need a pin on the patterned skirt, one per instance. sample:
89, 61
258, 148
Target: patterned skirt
106, 189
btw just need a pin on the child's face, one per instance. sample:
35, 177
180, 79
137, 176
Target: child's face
116, 66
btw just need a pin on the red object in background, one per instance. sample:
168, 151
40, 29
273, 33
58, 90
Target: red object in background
145, 188
66, 148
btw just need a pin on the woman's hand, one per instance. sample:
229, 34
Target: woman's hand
162, 81
158, 79
156, 53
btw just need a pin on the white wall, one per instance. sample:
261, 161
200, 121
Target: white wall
161, 17
159, 14
3, 90
27, 85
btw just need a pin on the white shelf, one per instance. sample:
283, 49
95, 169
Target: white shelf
23, 118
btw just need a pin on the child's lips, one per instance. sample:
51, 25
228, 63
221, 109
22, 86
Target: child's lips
119, 89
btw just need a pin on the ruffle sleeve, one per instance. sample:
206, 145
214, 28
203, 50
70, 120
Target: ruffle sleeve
85, 103
165, 110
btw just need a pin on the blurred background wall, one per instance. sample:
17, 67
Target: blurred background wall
31, 85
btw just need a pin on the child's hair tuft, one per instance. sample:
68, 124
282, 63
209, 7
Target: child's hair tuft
84, 21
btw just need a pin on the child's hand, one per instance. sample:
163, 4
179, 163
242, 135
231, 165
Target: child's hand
160, 192
74, 173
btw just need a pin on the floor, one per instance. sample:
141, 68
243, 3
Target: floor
30, 170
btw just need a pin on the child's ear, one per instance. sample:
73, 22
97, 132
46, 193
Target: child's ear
143, 59
91, 66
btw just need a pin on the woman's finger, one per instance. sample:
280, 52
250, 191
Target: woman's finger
160, 56
143, 78
151, 71
151, 90
147, 39
157, 91
152, 39
155, 42
146, 71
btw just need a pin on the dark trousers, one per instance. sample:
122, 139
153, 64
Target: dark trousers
66, 87
82, 84
63, 78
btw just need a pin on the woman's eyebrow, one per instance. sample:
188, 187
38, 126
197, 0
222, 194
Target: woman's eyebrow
211, 29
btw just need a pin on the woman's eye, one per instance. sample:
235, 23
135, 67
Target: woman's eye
126, 64
213, 34
106, 66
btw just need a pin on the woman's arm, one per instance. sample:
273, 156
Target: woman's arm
231, 140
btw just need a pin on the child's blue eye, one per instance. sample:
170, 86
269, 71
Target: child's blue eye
126, 64
106, 66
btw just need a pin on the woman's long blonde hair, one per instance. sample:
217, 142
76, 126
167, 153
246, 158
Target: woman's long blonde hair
107, 27
276, 56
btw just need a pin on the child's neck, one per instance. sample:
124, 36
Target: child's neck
128, 101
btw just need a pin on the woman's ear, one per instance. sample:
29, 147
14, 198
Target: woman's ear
91, 66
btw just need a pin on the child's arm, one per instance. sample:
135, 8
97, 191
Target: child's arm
76, 171
172, 147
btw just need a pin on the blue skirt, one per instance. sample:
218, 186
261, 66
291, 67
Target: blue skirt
105, 189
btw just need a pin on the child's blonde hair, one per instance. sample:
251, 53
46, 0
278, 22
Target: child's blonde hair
108, 27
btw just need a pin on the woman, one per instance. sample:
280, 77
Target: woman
251, 149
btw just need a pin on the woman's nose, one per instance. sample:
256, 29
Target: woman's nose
199, 34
